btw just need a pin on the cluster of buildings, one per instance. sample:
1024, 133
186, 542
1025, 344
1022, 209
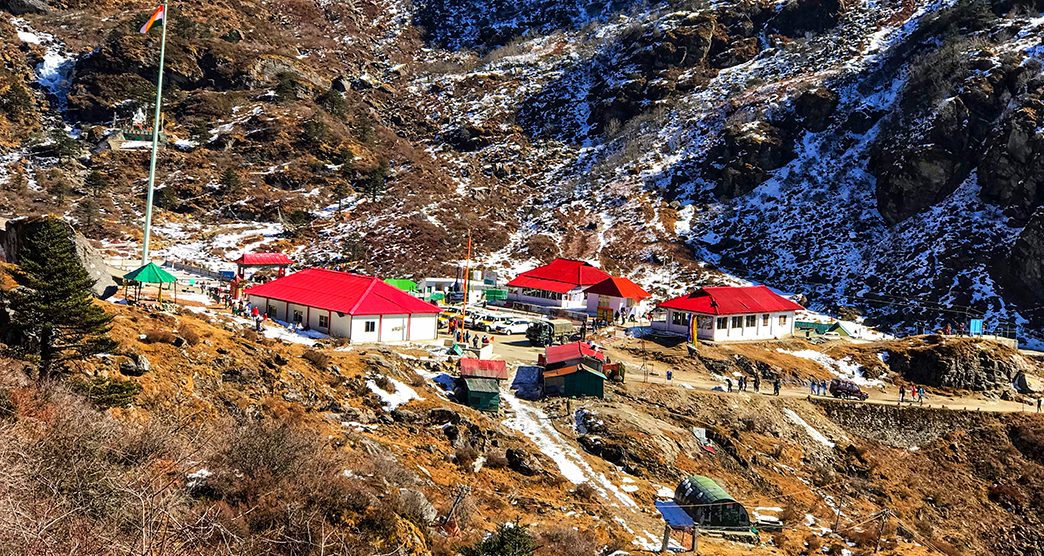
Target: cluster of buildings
368, 309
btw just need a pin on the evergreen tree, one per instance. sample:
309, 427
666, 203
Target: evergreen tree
96, 183
230, 183
87, 213
64, 146
510, 539
376, 181
53, 310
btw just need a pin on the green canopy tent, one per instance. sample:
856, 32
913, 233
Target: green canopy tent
402, 284
151, 274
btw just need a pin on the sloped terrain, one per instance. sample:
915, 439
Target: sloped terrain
682, 142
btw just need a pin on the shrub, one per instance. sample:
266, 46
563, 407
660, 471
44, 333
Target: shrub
317, 358
564, 541
383, 382
8, 409
510, 539
465, 457
496, 461
585, 492
159, 337
104, 393
190, 335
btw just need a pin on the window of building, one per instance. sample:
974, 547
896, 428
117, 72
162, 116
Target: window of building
737, 322
752, 321
371, 326
764, 320
679, 319
324, 321
782, 320
723, 323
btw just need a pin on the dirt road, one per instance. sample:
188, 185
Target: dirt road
516, 349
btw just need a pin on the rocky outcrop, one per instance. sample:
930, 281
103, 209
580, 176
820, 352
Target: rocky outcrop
814, 108
1022, 270
22, 7
93, 262
905, 427
1012, 169
798, 17
747, 153
959, 363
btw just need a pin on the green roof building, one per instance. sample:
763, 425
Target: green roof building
403, 284
574, 381
482, 394
710, 506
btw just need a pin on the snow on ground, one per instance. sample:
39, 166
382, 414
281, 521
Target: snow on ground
532, 422
52, 73
843, 368
393, 400
815, 434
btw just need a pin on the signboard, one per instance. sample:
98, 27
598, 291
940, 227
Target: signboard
975, 327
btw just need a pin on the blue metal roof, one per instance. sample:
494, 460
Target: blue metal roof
674, 515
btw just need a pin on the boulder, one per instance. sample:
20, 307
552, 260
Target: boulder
93, 262
747, 153
417, 504
22, 7
522, 463
442, 415
135, 365
960, 363
815, 106
799, 17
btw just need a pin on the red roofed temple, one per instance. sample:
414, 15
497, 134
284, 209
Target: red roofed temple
731, 313
343, 305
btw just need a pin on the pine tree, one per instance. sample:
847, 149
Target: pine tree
96, 183
53, 310
510, 539
376, 182
230, 183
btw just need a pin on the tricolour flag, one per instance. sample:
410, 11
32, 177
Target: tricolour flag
159, 14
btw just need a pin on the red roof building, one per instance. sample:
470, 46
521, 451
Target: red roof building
483, 368
615, 286
571, 354
559, 283
360, 308
730, 313
616, 298
262, 260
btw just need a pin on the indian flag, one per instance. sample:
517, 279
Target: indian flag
158, 15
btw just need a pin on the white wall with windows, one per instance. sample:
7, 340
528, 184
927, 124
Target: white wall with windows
575, 299
759, 326
360, 329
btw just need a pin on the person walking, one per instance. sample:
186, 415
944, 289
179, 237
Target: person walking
775, 387
920, 394
902, 394
757, 384
812, 386
728, 384
1039, 401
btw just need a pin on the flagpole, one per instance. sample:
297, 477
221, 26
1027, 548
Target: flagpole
155, 140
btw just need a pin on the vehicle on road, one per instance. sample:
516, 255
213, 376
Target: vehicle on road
550, 332
845, 389
491, 320
513, 326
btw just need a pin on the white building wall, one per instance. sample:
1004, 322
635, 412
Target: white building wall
359, 333
774, 330
423, 327
312, 314
340, 325
393, 328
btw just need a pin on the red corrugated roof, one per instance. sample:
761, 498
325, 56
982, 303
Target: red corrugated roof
261, 259
563, 272
570, 351
618, 287
483, 368
732, 300
346, 293
523, 281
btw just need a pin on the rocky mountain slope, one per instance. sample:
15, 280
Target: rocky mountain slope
680, 141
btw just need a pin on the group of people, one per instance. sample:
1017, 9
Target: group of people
818, 388
241, 308
466, 337
741, 384
916, 394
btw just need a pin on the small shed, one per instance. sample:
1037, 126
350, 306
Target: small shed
482, 394
574, 381
278, 261
710, 506
481, 377
571, 354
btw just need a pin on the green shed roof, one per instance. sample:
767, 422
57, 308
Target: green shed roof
704, 490
817, 327
403, 284
482, 385
150, 274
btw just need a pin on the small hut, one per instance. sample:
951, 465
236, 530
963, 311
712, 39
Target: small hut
481, 378
574, 381
278, 261
710, 506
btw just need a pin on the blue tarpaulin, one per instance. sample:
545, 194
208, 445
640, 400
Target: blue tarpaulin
674, 515
975, 327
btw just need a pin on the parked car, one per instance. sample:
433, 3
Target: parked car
492, 320
474, 319
840, 388
514, 326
